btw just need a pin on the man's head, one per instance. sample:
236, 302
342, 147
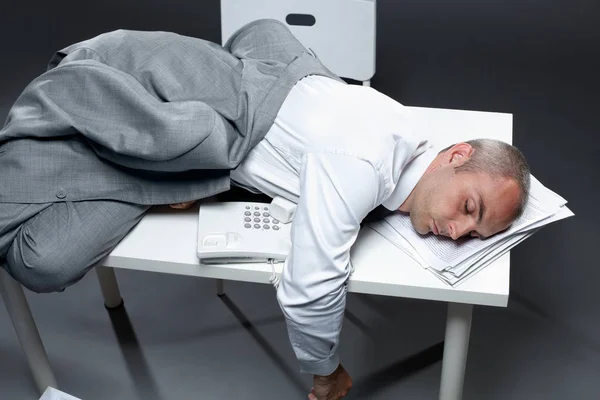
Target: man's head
476, 188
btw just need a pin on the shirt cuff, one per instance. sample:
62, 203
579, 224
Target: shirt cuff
323, 367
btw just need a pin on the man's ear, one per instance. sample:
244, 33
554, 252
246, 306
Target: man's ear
459, 154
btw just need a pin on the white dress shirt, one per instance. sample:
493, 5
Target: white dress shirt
338, 151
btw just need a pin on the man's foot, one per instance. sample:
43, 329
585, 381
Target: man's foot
331, 387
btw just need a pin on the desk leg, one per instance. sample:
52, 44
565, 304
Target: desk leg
109, 287
220, 290
27, 332
456, 345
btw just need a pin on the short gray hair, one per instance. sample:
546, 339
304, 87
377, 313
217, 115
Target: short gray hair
499, 159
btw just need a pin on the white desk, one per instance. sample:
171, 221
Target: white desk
165, 241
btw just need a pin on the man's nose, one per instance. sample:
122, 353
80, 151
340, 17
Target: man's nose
458, 229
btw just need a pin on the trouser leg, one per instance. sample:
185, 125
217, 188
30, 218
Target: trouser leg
56, 247
12, 216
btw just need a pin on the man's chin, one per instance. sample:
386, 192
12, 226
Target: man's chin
421, 230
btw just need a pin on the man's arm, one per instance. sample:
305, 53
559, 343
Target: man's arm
336, 193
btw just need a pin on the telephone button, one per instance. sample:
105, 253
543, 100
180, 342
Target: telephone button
214, 241
233, 239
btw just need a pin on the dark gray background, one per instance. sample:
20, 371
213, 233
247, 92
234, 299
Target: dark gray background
535, 59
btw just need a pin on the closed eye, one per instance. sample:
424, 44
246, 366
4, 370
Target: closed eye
467, 208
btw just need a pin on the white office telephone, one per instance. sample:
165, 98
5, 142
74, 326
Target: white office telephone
238, 232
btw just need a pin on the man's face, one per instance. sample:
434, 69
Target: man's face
457, 204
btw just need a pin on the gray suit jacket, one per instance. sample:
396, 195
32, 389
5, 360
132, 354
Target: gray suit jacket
148, 117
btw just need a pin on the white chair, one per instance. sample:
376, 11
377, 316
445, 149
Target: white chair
340, 32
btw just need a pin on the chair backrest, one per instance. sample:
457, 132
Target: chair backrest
340, 32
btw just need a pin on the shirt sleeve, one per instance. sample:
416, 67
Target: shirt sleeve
336, 192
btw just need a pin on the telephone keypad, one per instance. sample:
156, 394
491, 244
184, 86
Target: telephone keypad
259, 219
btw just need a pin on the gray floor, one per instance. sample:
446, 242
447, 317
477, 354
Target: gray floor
177, 340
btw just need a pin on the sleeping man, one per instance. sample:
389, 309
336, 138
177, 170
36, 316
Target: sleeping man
130, 119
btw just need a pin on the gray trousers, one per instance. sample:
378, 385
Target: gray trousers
47, 247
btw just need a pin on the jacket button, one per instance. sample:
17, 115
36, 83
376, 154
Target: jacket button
61, 193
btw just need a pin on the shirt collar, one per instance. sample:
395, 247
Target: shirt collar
409, 177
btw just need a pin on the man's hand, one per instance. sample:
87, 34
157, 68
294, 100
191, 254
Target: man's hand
183, 206
331, 387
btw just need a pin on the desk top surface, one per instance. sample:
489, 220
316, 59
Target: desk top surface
165, 240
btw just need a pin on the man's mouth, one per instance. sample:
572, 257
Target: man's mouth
434, 228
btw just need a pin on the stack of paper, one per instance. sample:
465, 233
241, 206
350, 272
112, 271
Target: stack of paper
454, 261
